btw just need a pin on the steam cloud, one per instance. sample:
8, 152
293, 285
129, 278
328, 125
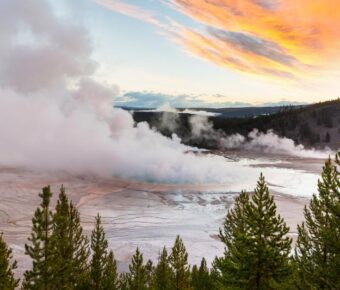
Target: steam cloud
268, 142
167, 108
55, 116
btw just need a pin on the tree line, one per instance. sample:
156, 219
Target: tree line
310, 125
258, 251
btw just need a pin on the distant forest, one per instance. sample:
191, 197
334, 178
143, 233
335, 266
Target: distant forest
258, 252
316, 125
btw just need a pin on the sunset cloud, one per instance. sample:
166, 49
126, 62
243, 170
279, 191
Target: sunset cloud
152, 100
285, 39
129, 10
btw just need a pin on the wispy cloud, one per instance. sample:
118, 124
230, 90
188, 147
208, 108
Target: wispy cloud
153, 100
129, 10
252, 44
139, 13
156, 100
285, 39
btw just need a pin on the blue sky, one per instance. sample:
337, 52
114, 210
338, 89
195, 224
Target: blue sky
144, 58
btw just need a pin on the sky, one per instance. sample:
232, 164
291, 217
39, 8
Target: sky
213, 53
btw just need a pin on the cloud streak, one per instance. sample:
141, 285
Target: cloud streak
156, 100
130, 10
284, 39
153, 100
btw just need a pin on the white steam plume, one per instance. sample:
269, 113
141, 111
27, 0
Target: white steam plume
268, 142
169, 119
200, 113
55, 116
167, 108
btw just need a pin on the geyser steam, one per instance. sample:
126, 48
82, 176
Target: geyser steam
55, 116
268, 142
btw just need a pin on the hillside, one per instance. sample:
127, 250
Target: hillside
239, 112
316, 125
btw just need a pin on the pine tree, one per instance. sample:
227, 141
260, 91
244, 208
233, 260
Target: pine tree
200, 277
137, 278
234, 236
179, 263
317, 252
149, 269
110, 277
257, 248
70, 247
194, 278
123, 281
99, 255
7, 280
39, 249
162, 273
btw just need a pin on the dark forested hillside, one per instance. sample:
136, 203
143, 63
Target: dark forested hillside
238, 112
315, 125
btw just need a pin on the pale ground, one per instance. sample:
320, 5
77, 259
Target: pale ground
134, 213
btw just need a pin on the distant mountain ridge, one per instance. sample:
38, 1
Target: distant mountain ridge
228, 112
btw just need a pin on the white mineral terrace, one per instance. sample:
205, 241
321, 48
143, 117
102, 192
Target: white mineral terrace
151, 215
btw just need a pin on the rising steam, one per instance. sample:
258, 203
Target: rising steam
55, 116
268, 142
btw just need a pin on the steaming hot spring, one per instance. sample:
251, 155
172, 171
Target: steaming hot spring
58, 126
147, 188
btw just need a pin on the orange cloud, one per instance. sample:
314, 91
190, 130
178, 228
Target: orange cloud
284, 38
239, 51
280, 38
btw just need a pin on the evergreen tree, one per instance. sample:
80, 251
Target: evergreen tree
39, 249
234, 235
194, 277
257, 248
7, 280
317, 252
99, 255
137, 277
179, 263
110, 277
200, 277
162, 273
149, 269
70, 247
123, 281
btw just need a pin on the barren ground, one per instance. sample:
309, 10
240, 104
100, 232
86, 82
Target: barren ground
136, 213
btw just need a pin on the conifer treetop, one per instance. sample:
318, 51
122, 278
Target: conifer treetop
7, 279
